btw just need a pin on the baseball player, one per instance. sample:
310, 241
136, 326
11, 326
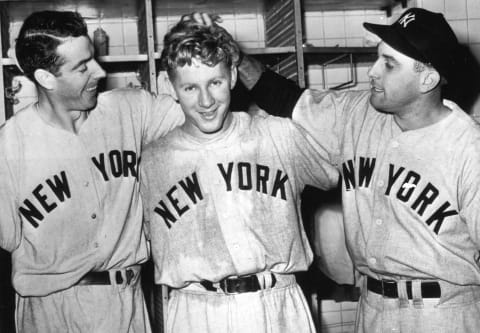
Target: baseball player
410, 180
221, 197
71, 213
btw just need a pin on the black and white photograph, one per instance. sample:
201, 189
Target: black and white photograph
243, 166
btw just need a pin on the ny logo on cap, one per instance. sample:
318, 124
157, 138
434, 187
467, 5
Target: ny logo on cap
405, 20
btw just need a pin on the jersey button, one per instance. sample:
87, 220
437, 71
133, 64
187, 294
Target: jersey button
372, 261
380, 183
94, 216
378, 222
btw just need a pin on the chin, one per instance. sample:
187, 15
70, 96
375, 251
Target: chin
377, 103
211, 130
90, 104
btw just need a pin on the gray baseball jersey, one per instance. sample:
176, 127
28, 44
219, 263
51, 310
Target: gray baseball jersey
70, 203
230, 205
410, 198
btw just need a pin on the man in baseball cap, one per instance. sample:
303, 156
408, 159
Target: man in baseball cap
409, 161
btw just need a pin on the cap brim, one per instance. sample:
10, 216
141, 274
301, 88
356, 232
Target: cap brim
394, 37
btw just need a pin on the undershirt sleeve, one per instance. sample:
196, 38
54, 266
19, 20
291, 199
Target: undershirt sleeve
276, 94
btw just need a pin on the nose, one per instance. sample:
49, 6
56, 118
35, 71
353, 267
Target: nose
98, 71
206, 99
373, 71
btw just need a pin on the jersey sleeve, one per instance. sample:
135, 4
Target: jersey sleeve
161, 114
326, 114
313, 164
10, 224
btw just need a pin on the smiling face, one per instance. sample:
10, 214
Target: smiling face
395, 85
204, 94
75, 84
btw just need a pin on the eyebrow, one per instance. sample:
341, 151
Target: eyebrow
389, 58
81, 62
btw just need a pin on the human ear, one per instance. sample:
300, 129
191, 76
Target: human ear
45, 78
429, 80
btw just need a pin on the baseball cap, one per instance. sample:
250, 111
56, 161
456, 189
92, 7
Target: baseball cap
422, 35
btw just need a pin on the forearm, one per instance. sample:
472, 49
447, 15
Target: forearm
272, 92
276, 94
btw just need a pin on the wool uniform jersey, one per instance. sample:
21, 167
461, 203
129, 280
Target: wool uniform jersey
410, 198
70, 203
230, 205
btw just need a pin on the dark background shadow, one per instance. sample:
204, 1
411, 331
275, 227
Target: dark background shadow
464, 88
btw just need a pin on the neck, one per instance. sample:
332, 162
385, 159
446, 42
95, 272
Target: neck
422, 113
60, 117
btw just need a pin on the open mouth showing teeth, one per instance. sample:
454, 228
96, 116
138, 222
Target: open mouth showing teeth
208, 115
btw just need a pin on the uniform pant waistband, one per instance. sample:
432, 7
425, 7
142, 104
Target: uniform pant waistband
122, 276
388, 288
245, 283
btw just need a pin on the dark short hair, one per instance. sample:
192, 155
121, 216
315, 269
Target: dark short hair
188, 40
40, 35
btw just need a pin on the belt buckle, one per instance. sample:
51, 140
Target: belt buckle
224, 285
386, 285
124, 277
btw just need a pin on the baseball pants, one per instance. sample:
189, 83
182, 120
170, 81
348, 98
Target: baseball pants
112, 308
456, 311
281, 309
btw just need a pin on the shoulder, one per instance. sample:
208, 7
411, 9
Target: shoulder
462, 135
122, 95
133, 95
347, 98
21, 121
273, 126
158, 148
332, 106
462, 123
137, 103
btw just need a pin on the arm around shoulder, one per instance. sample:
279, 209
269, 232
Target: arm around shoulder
270, 91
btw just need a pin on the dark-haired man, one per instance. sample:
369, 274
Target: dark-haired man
71, 213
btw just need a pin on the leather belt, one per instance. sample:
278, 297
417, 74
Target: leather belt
430, 289
237, 285
103, 278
